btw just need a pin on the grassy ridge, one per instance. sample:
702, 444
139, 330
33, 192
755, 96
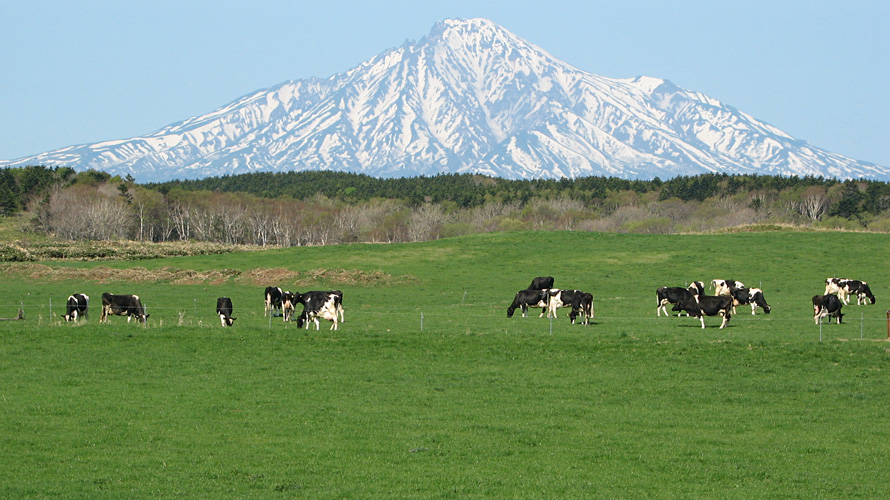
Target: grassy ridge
472, 405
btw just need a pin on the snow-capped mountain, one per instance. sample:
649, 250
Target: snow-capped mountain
468, 97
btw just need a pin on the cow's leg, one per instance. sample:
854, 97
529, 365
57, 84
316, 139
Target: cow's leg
725, 320
104, 316
222, 319
702, 319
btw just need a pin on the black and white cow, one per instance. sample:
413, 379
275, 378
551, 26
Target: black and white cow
581, 303
272, 300
672, 295
696, 287
860, 289
122, 305
289, 301
224, 309
317, 304
541, 283
723, 287
529, 298
752, 296
827, 305
339, 295
836, 286
707, 305
77, 306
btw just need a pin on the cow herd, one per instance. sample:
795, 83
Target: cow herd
837, 294
316, 305
730, 293
691, 300
541, 294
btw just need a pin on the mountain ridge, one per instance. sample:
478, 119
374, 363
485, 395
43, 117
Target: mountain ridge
469, 97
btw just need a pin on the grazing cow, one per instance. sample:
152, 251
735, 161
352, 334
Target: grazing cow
224, 309
723, 287
672, 294
579, 302
541, 283
707, 305
122, 305
827, 305
752, 296
529, 298
860, 289
77, 305
316, 304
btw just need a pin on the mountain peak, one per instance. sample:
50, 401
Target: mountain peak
468, 97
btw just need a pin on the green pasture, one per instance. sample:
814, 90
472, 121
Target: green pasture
428, 390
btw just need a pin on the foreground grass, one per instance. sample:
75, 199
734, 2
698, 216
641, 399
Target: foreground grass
473, 404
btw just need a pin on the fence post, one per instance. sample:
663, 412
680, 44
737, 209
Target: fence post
50, 307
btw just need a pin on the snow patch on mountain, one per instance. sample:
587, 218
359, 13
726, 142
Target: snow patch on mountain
469, 97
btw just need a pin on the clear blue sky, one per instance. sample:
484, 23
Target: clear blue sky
78, 72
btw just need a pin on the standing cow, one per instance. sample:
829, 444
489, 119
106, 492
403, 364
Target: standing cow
541, 283
272, 300
320, 304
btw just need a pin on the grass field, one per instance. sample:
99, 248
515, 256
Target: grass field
429, 391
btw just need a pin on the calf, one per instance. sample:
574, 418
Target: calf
827, 305
122, 305
529, 298
541, 283
224, 309
272, 300
707, 305
77, 305
672, 294
316, 304
752, 296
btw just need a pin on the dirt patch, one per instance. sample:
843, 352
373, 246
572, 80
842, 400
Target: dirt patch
257, 277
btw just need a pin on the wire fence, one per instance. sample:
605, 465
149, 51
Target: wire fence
195, 313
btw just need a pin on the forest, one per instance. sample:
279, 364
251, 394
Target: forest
323, 208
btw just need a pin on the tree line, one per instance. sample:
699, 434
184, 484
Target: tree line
319, 208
